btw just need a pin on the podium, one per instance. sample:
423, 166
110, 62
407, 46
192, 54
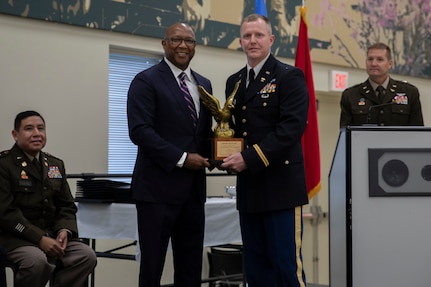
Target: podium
380, 208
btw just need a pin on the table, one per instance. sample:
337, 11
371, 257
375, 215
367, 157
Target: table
118, 221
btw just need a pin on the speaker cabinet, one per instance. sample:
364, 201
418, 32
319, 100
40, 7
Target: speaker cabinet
399, 172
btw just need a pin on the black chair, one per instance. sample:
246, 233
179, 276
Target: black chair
226, 266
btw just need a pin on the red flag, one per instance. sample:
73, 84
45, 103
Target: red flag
310, 139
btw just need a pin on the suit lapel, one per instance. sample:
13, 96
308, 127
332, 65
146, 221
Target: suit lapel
44, 162
202, 109
265, 75
25, 165
171, 83
390, 91
367, 92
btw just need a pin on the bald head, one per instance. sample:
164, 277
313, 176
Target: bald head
179, 45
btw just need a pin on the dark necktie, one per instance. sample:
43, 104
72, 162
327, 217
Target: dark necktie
380, 93
188, 98
250, 77
37, 165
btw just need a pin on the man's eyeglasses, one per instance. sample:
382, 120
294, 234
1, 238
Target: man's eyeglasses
177, 41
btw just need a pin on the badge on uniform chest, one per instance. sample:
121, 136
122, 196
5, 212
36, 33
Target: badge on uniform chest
26, 183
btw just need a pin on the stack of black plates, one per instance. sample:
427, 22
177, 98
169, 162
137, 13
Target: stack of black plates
102, 190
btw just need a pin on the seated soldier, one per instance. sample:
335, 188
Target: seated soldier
38, 225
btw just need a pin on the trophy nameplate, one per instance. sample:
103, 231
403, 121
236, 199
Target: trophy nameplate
223, 147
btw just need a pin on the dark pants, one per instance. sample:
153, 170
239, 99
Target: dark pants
272, 244
184, 225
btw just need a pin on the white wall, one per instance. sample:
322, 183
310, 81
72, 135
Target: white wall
62, 72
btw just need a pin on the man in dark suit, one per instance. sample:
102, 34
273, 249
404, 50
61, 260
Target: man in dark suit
270, 114
168, 184
38, 225
397, 104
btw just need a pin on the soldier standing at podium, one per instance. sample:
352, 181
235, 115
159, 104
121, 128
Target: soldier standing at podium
397, 104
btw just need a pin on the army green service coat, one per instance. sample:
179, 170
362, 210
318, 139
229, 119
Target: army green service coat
33, 204
400, 107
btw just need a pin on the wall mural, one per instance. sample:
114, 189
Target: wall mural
339, 30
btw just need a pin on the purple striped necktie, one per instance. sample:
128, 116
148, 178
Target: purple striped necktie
188, 98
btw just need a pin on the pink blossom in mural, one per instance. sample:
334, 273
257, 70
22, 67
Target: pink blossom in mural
404, 25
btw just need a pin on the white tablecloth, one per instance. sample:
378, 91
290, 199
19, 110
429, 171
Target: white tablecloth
118, 221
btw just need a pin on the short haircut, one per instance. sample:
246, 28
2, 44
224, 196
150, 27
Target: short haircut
23, 115
255, 17
381, 46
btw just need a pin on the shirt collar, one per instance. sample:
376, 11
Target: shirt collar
30, 157
259, 66
177, 71
374, 85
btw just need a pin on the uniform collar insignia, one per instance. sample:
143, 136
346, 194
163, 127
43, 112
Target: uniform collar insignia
366, 89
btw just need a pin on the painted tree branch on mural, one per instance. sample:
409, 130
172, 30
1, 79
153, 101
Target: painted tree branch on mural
402, 25
340, 30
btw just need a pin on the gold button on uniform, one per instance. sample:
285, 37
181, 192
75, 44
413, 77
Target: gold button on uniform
265, 104
243, 121
286, 162
244, 134
244, 108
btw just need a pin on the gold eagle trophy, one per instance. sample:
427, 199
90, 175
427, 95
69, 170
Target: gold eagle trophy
223, 143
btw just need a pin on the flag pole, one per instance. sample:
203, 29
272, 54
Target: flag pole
302, 60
